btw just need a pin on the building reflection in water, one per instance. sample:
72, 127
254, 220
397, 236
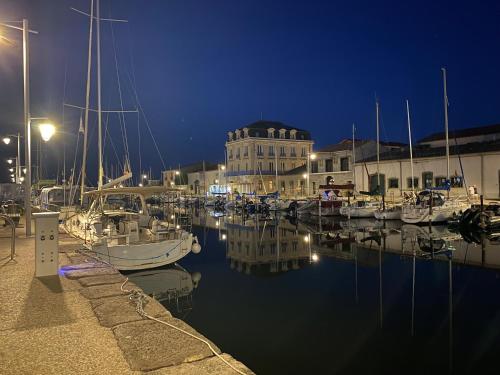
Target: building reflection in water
427, 263
172, 286
267, 247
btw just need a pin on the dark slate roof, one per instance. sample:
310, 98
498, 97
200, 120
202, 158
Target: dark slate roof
346, 144
424, 152
393, 144
198, 167
469, 132
299, 170
266, 124
259, 129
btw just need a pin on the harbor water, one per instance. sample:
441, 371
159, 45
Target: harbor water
358, 297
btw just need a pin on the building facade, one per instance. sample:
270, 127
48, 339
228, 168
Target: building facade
334, 163
474, 162
259, 153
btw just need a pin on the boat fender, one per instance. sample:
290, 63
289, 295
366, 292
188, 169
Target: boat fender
195, 247
196, 277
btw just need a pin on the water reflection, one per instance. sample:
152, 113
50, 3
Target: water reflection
172, 285
402, 297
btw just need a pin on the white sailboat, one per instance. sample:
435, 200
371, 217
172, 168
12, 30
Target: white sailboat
394, 212
118, 227
365, 208
432, 206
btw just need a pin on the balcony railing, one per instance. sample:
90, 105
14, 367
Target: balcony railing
251, 173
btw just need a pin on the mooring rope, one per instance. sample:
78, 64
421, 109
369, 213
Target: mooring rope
139, 298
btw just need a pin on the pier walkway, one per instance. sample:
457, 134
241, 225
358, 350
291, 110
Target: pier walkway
80, 321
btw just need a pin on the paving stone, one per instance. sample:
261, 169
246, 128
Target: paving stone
101, 291
84, 265
208, 366
77, 258
76, 274
101, 280
113, 311
79, 347
69, 247
148, 345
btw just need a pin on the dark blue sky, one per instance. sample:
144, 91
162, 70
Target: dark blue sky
205, 67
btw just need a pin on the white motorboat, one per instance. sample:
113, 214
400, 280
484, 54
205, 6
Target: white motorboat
360, 208
432, 207
388, 213
62, 199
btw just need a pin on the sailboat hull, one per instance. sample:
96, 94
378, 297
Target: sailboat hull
143, 256
440, 214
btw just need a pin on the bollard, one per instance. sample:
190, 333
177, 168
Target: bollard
46, 243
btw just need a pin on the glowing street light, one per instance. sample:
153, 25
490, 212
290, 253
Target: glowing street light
304, 176
177, 173
144, 176
11, 169
310, 156
6, 140
47, 130
21, 179
9, 161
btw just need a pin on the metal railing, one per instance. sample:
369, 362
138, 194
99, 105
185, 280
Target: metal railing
9, 221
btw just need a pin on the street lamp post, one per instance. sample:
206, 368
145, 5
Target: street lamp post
7, 140
15, 168
310, 156
27, 136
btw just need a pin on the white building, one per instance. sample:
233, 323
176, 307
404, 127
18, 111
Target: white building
474, 154
256, 153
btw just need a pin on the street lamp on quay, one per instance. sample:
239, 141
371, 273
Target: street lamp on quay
27, 127
221, 167
14, 169
6, 139
310, 156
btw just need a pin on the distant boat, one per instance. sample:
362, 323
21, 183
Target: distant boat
431, 205
388, 213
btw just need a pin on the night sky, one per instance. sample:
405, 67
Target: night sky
205, 67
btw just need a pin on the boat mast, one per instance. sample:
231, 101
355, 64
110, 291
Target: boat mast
99, 113
411, 150
353, 156
378, 148
446, 125
87, 99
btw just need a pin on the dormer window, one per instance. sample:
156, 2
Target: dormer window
282, 133
270, 133
293, 134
